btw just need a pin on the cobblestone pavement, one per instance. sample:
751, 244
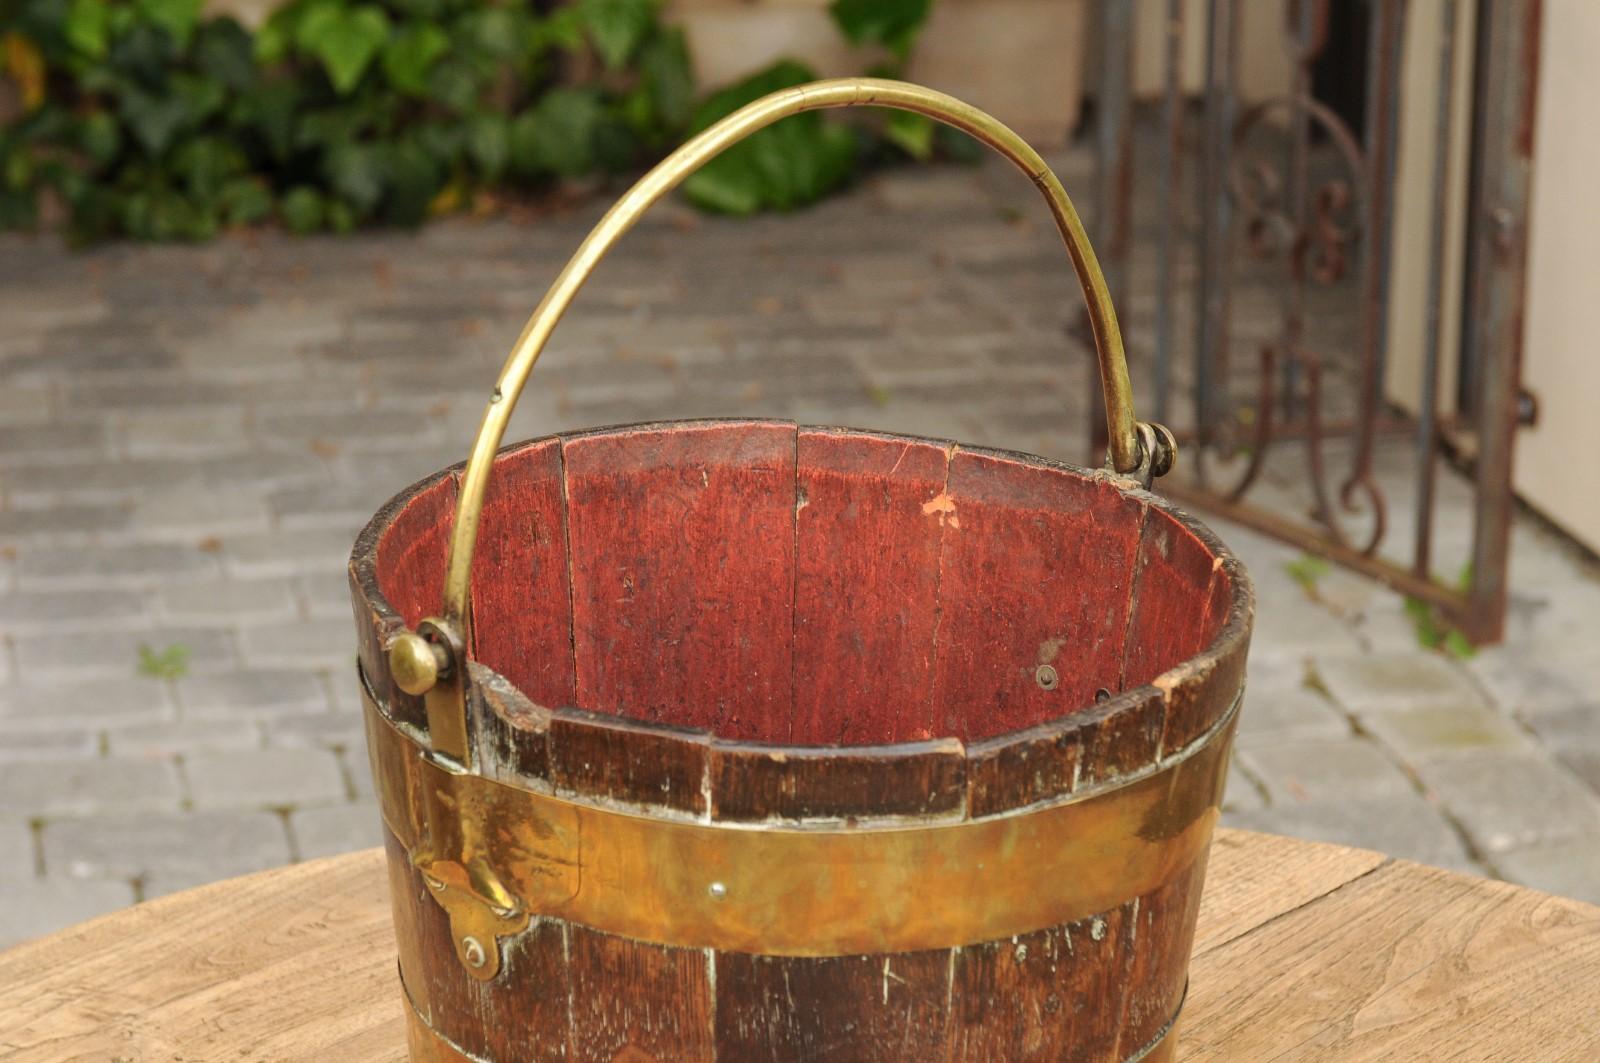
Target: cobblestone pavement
190, 438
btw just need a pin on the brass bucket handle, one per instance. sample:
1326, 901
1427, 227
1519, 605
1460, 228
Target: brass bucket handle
424, 663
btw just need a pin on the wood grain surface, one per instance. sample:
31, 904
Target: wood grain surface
1304, 952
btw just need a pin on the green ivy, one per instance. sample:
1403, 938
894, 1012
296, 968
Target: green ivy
143, 118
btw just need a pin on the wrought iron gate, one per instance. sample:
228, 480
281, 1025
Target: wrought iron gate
1269, 338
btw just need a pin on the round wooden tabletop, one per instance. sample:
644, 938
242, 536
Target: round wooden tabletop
1304, 952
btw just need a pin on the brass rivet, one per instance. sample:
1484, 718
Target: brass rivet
1046, 676
416, 663
717, 890
472, 952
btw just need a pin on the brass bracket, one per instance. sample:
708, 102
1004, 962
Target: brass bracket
449, 853
451, 856
481, 910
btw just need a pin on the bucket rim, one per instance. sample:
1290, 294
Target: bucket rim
1218, 663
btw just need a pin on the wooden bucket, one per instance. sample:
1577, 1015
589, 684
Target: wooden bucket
764, 742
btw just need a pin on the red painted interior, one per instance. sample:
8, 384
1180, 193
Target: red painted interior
816, 587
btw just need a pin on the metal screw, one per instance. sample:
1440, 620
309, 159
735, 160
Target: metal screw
1046, 676
717, 891
472, 951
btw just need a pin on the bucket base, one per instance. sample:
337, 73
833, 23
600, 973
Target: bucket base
429, 1046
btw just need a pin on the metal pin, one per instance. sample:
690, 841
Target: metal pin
717, 890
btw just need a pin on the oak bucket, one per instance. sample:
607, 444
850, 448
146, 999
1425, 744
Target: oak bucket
736, 740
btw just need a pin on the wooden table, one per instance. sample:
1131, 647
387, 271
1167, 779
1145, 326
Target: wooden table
1304, 952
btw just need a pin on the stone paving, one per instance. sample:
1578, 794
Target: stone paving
190, 438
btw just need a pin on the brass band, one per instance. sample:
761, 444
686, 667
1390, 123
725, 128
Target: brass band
796, 890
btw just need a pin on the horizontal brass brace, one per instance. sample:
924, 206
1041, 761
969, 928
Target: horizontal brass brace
796, 890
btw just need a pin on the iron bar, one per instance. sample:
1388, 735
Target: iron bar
1507, 89
1114, 172
1169, 169
1428, 401
1216, 218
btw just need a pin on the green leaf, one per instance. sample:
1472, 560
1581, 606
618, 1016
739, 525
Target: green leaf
912, 133
177, 17
172, 662
556, 135
410, 56
415, 179
563, 29
794, 162
345, 40
154, 120
728, 185
358, 173
87, 26
100, 136
668, 78
144, 54
205, 163
456, 84
202, 96
497, 33
445, 142
302, 209
341, 218
1424, 623
957, 146
275, 35
1457, 645
489, 144
891, 23
223, 50
784, 74
616, 28
1307, 570
271, 111
244, 200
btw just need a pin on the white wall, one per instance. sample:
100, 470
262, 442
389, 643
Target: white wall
1558, 460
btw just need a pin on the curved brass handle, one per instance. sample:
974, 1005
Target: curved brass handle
1135, 449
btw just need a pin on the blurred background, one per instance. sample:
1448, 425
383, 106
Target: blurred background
262, 261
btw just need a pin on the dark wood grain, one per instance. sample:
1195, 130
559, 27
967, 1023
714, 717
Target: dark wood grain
1122, 735
592, 755
1160, 932
1051, 995
512, 733
782, 1009
682, 544
638, 1003
752, 783
866, 587
1024, 767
